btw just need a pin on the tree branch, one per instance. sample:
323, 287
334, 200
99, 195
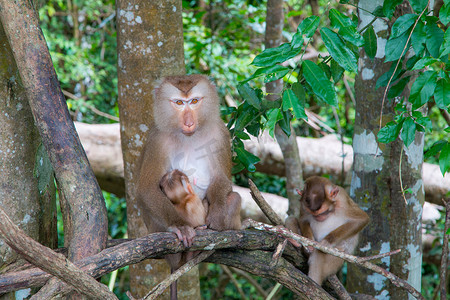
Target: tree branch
398, 282
50, 261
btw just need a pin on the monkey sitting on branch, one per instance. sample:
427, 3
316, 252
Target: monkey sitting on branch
187, 134
329, 216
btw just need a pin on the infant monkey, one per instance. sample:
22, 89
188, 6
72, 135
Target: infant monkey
177, 187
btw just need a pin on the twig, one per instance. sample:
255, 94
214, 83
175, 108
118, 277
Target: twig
378, 256
262, 203
444, 257
400, 174
251, 280
160, 287
277, 254
91, 107
50, 261
273, 291
398, 282
339, 288
234, 281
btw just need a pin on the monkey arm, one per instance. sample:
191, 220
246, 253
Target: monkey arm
357, 220
224, 205
291, 223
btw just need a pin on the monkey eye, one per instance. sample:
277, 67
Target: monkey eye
179, 102
194, 101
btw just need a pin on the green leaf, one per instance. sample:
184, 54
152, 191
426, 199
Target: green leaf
422, 88
384, 79
245, 115
425, 122
319, 83
346, 27
241, 135
419, 37
343, 55
444, 159
418, 5
378, 11
267, 70
297, 40
395, 47
290, 100
249, 95
351, 34
398, 88
435, 149
309, 26
326, 69
370, 41
246, 158
402, 24
442, 93
299, 91
272, 56
435, 37
336, 71
389, 132
389, 7
444, 14
276, 75
422, 63
285, 123
273, 116
445, 47
338, 20
408, 131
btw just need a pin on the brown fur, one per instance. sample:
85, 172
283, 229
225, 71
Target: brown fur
176, 186
329, 216
166, 138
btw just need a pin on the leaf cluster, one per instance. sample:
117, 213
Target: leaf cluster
427, 39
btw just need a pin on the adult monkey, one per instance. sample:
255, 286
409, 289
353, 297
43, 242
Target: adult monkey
187, 134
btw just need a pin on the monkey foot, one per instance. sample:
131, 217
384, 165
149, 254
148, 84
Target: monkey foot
184, 233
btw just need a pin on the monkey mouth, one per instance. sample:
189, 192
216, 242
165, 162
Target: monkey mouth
322, 216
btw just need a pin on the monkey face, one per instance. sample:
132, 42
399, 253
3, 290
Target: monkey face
174, 185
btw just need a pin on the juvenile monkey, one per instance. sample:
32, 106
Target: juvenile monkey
187, 134
329, 216
177, 187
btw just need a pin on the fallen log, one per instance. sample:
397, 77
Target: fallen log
325, 155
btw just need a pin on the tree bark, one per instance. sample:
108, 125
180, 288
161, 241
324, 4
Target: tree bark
274, 89
378, 172
88, 228
28, 199
150, 46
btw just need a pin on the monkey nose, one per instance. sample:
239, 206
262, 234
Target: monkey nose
189, 124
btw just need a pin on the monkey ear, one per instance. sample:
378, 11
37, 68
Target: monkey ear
332, 192
299, 192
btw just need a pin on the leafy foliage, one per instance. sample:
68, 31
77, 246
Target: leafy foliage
81, 37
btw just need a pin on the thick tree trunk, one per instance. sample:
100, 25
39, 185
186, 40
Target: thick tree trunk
288, 145
150, 46
88, 222
29, 200
395, 218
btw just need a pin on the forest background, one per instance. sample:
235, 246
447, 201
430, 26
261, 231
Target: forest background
223, 40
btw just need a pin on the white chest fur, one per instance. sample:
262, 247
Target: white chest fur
322, 229
196, 162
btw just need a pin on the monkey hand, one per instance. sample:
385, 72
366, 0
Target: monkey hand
201, 227
184, 233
